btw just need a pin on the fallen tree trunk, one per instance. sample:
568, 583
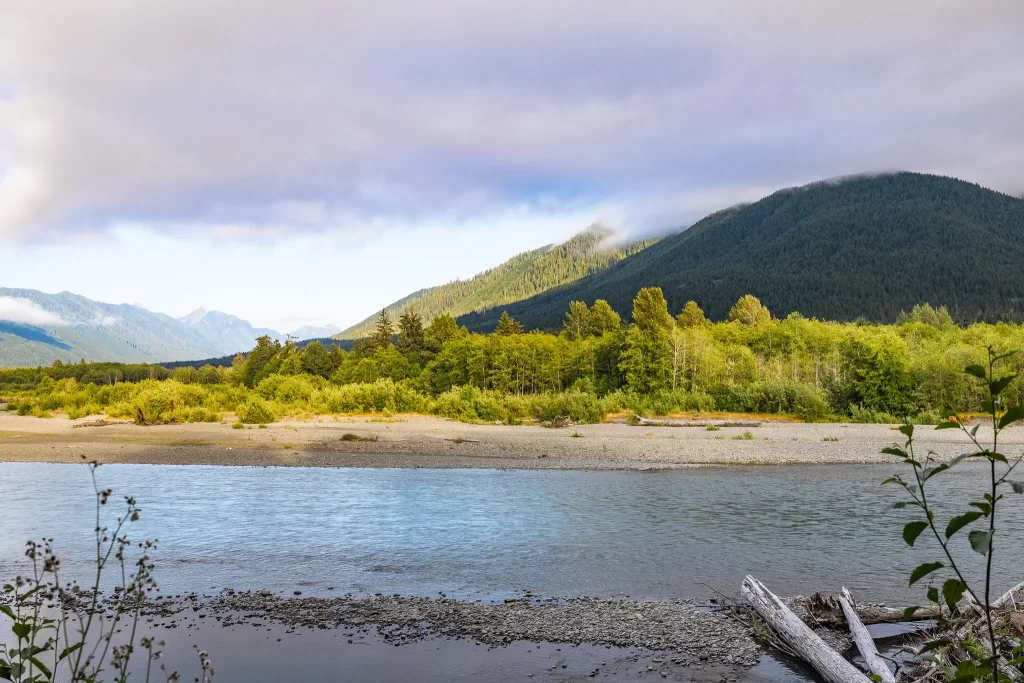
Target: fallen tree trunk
825, 610
865, 643
1008, 598
796, 634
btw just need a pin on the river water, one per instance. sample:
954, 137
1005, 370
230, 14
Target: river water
491, 534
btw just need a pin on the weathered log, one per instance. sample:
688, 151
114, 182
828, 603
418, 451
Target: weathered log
825, 610
1008, 598
865, 643
796, 634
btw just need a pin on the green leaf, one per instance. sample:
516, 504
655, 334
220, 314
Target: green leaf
975, 370
912, 530
10, 613
1012, 415
953, 592
897, 506
963, 456
1017, 486
895, 450
986, 508
909, 612
933, 594
907, 430
998, 457
948, 425
1001, 356
960, 521
933, 645
924, 570
997, 387
930, 472
41, 667
67, 651
21, 629
980, 540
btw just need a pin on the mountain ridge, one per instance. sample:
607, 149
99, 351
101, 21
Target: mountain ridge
517, 278
864, 246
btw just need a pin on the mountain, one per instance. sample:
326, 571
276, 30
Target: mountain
519, 278
315, 331
38, 328
227, 333
867, 246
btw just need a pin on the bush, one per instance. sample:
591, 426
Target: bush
254, 411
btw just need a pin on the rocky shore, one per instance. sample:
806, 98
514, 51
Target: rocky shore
417, 441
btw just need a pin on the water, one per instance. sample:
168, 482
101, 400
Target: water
489, 534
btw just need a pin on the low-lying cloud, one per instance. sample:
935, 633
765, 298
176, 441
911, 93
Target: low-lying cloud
247, 116
26, 312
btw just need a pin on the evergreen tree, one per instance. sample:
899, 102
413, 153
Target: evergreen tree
410, 332
691, 316
603, 319
577, 321
749, 311
507, 326
383, 332
316, 360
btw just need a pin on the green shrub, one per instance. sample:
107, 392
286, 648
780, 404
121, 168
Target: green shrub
255, 411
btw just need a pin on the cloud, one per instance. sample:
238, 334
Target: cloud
245, 117
104, 320
18, 310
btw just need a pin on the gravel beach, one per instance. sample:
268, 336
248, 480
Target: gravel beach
418, 441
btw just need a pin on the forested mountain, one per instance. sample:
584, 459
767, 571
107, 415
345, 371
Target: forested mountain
867, 246
519, 278
40, 328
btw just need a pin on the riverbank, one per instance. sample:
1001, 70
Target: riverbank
418, 441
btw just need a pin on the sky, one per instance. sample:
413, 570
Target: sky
311, 161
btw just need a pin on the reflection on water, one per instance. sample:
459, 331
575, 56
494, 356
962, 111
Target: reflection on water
486, 533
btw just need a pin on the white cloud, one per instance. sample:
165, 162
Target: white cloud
18, 310
104, 320
237, 116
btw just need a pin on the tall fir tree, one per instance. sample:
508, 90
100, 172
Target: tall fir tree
507, 326
410, 332
383, 332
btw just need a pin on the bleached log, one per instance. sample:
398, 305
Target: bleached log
795, 633
1008, 598
865, 643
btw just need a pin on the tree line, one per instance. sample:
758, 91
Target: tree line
658, 363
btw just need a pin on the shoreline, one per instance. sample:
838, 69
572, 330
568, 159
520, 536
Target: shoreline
413, 441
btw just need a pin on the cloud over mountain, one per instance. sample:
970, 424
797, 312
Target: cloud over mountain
234, 118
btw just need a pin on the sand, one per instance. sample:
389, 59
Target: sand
418, 441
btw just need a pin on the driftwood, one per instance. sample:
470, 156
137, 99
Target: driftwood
825, 610
648, 422
865, 643
798, 636
1008, 599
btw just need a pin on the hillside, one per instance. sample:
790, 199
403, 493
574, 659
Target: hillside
859, 247
519, 278
67, 327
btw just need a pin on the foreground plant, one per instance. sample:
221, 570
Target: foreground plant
64, 632
976, 639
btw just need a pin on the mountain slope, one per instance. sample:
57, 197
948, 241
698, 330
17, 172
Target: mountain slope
521, 277
865, 246
227, 333
68, 327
